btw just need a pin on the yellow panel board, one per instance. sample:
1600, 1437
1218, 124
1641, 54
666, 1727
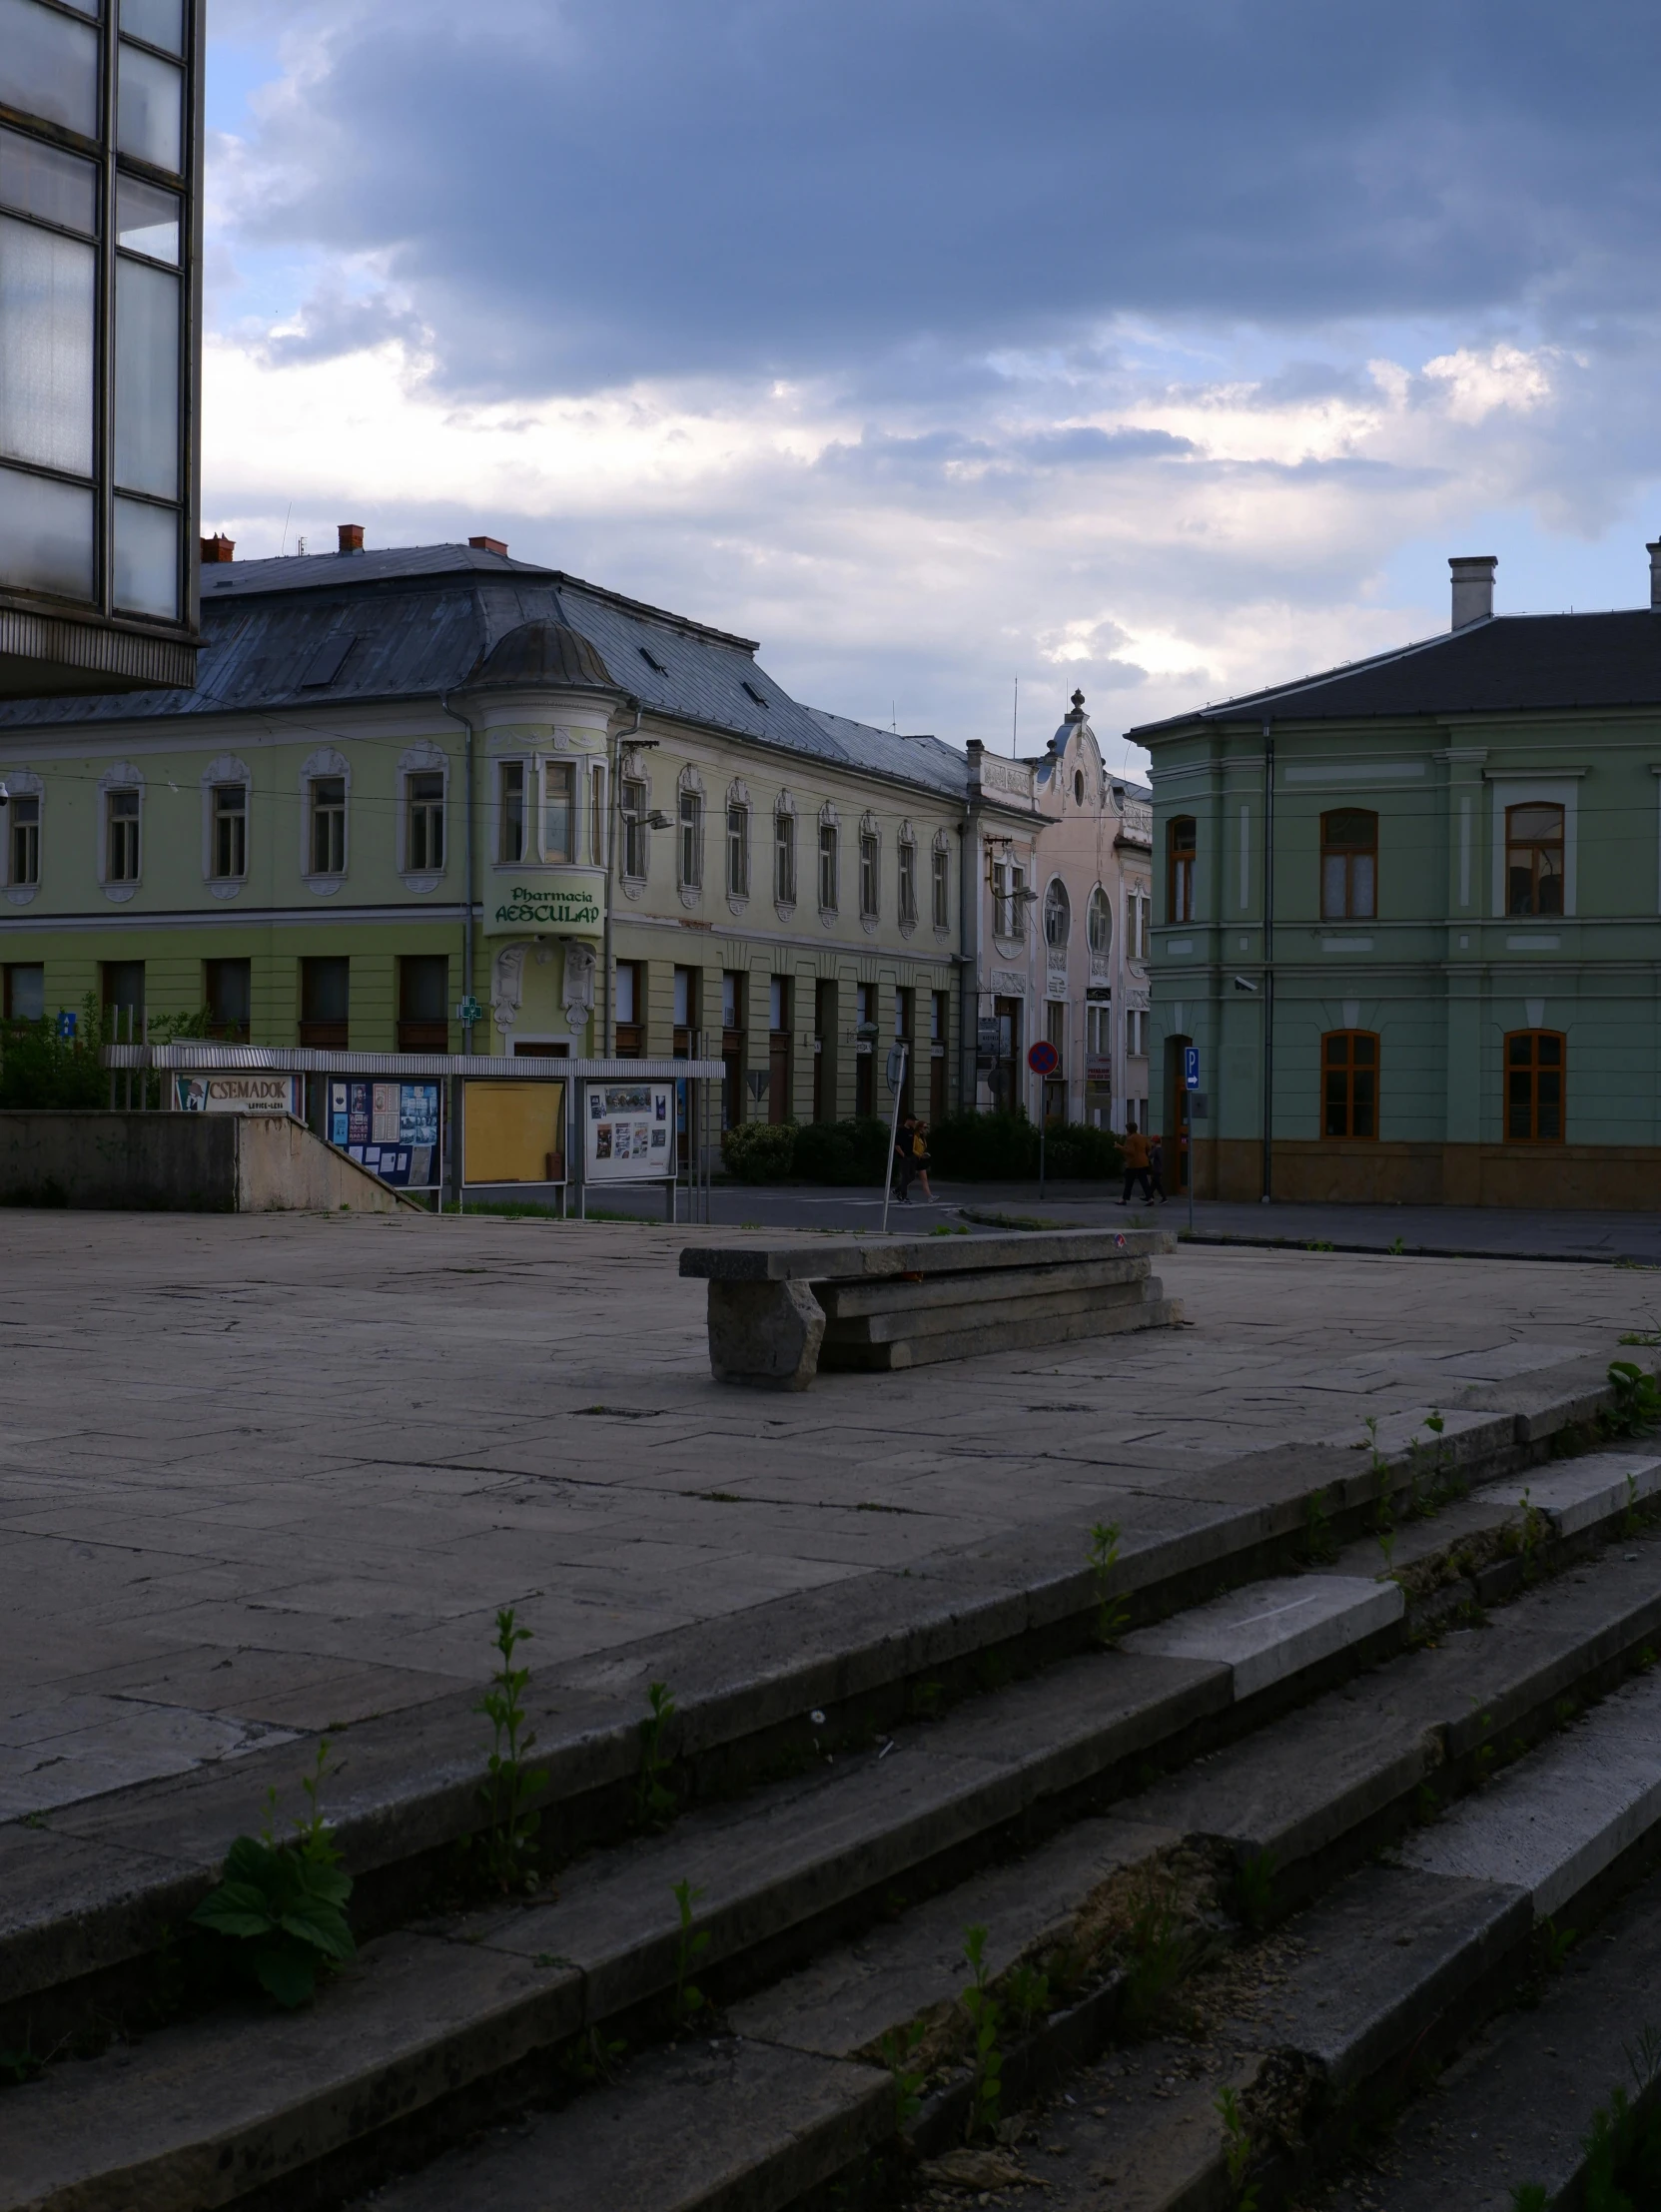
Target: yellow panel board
515, 1131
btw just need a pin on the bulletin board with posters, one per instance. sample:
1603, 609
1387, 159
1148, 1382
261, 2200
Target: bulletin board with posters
628, 1133
512, 1131
391, 1129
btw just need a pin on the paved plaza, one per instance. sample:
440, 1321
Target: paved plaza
274, 1473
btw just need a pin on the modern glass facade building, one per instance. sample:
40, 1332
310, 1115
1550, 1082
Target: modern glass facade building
99, 182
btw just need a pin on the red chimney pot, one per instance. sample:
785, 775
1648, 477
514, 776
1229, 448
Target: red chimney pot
490, 545
216, 548
351, 536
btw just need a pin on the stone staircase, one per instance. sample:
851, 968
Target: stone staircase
1232, 1755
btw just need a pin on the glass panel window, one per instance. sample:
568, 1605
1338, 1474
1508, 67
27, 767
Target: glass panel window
690, 842
161, 22
228, 989
560, 810
908, 881
1348, 865
24, 992
47, 286
738, 852
36, 179
510, 836
49, 66
1181, 850
328, 843
827, 867
1099, 923
1058, 915
1534, 860
45, 535
941, 888
150, 110
784, 858
146, 380
1535, 1101
631, 797
870, 882
426, 821
25, 840
121, 836
147, 220
1349, 1084
146, 559
326, 1002
230, 838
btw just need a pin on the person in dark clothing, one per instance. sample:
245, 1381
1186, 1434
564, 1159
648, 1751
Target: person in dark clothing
1135, 1149
911, 1160
1156, 1171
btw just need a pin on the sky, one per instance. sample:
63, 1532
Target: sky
962, 351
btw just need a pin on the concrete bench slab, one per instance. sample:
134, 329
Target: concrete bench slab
1273, 1629
837, 1259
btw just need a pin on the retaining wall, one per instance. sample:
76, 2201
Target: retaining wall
180, 1163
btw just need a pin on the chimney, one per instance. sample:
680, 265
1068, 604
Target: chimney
488, 545
1654, 552
216, 548
351, 536
1473, 587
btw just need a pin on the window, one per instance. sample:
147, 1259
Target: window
1078, 786
738, 850
1535, 1066
1055, 1030
228, 993
1099, 924
784, 858
1535, 859
120, 851
328, 840
324, 1002
230, 835
870, 874
631, 797
25, 841
426, 841
1138, 911
24, 992
560, 810
122, 997
1136, 1033
689, 843
1182, 844
1348, 865
510, 830
827, 868
1098, 1039
1009, 903
1058, 915
598, 840
424, 1003
908, 881
1349, 1084
942, 885
632, 1010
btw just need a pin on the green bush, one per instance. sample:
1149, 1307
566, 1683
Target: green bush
1002, 1148
846, 1153
41, 1070
1078, 1152
759, 1152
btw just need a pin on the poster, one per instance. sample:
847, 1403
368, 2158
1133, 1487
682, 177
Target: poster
237, 1095
391, 1129
628, 1131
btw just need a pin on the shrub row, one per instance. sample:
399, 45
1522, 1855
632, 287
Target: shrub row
964, 1147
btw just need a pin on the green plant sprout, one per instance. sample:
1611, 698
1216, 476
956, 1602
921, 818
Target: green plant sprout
1236, 2150
1387, 1545
690, 1946
509, 1839
985, 2016
1637, 1406
899, 2048
655, 1804
1112, 1613
282, 1904
1028, 1991
1319, 1544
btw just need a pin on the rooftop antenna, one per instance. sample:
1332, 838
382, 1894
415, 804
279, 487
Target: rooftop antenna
1015, 718
286, 529
894, 716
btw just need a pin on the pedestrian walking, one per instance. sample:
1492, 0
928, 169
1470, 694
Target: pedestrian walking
921, 1158
1135, 1149
1156, 1168
904, 1163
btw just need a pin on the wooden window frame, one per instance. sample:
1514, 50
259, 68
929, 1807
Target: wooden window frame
1180, 855
1348, 907
1535, 846
1348, 1068
1534, 1068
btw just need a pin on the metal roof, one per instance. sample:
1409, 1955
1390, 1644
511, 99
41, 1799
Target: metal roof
1503, 664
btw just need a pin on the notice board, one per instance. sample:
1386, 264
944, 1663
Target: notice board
513, 1132
391, 1129
625, 1133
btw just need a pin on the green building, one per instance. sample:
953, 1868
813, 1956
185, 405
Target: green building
1409, 912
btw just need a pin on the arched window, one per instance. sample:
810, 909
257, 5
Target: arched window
1182, 845
1078, 786
1099, 923
1349, 1084
738, 842
1348, 865
1535, 859
1058, 915
1536, 1073
689, 832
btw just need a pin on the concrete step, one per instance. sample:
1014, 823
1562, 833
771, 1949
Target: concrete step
436, 2024
1025, 1303
1274, 1628
1079, 1313
846, 1300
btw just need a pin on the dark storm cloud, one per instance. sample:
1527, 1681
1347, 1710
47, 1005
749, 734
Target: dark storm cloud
577, 193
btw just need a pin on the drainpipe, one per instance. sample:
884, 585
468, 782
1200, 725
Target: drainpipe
613, 819
468, 864
1268, 960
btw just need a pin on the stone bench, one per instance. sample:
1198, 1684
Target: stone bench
778, 1313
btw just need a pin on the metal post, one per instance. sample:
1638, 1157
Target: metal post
1041, 1144
1189, 1141
893, 1136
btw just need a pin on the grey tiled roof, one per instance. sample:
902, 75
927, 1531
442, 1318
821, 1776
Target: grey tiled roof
422, 620
1507, 663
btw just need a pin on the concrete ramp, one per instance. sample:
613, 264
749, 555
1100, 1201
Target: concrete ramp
182, 1162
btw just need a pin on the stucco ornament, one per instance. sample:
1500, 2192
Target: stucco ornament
579, 992
507, 984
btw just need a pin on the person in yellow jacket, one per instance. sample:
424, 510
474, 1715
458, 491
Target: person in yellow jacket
1134, 1147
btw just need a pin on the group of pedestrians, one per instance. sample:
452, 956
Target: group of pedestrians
1144, 1161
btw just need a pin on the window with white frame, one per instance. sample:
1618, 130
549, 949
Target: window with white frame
227, 850
1099, 924
1098, 1029
510, 799
631, 802
1058, 915
689, 839
908, 880
1137, 906
327, 842
424, 821
23, 854
784, 855
738, 849
870, 871
560, 810
940, 881
1136, 1033
828, 867
121, 835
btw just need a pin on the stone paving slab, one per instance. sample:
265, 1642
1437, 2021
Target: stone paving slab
312, 1456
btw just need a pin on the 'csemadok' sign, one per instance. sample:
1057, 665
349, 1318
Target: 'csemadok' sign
236, 1095
566, 905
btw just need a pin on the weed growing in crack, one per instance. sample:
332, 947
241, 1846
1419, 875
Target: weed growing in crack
899, 2050
655, 1804
1630, 1520
1159, 1954
1387, 1546
1255, 1888
1027, 1990
1530, 2196
282, 1905
1379, 1462
1321, 1546
985, 2090
509, 1839
690, 1946
1637, 1406
1112, 1613
1236, 2150
1554, 1944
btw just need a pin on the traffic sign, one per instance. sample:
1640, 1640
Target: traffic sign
1191, 1068
759, 1080
1043, 1058
66, 1022
895, 1067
